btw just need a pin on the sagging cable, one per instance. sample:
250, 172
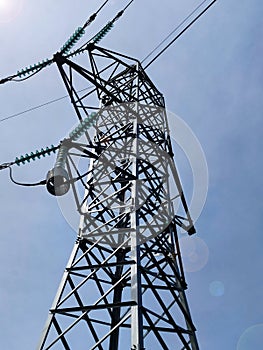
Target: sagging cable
43, 182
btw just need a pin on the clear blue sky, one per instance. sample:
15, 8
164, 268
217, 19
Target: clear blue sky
212, 78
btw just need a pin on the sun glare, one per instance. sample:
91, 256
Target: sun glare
3, 4
10, 9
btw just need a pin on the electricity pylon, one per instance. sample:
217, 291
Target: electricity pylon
124, 285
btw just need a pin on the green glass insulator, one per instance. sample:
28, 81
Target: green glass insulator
26, 156
32, 155
42, 152
79, 128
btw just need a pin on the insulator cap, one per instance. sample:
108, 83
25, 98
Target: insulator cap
57, 181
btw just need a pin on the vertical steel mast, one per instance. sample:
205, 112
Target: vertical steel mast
124, 285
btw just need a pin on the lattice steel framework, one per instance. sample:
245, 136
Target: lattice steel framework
124, 285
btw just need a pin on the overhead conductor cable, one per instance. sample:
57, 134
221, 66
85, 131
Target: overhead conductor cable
180, 34
34, 69
145, 58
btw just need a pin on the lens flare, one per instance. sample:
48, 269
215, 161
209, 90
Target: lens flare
195, 253
217, 288
252, 338
10, 9
197, 256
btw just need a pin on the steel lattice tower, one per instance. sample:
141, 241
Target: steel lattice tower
124, 285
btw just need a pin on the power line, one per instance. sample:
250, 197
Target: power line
128, 5
32, 70
96, 38
36, 68
100, 8
174, 30
180, 34
119, 14
158, 55
43, 182
33, 108
40, 106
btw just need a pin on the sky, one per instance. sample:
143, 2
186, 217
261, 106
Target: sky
212, 79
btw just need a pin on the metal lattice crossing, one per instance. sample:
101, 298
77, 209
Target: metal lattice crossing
124, 285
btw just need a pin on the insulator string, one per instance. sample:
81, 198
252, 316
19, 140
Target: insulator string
35, 155
65, 49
